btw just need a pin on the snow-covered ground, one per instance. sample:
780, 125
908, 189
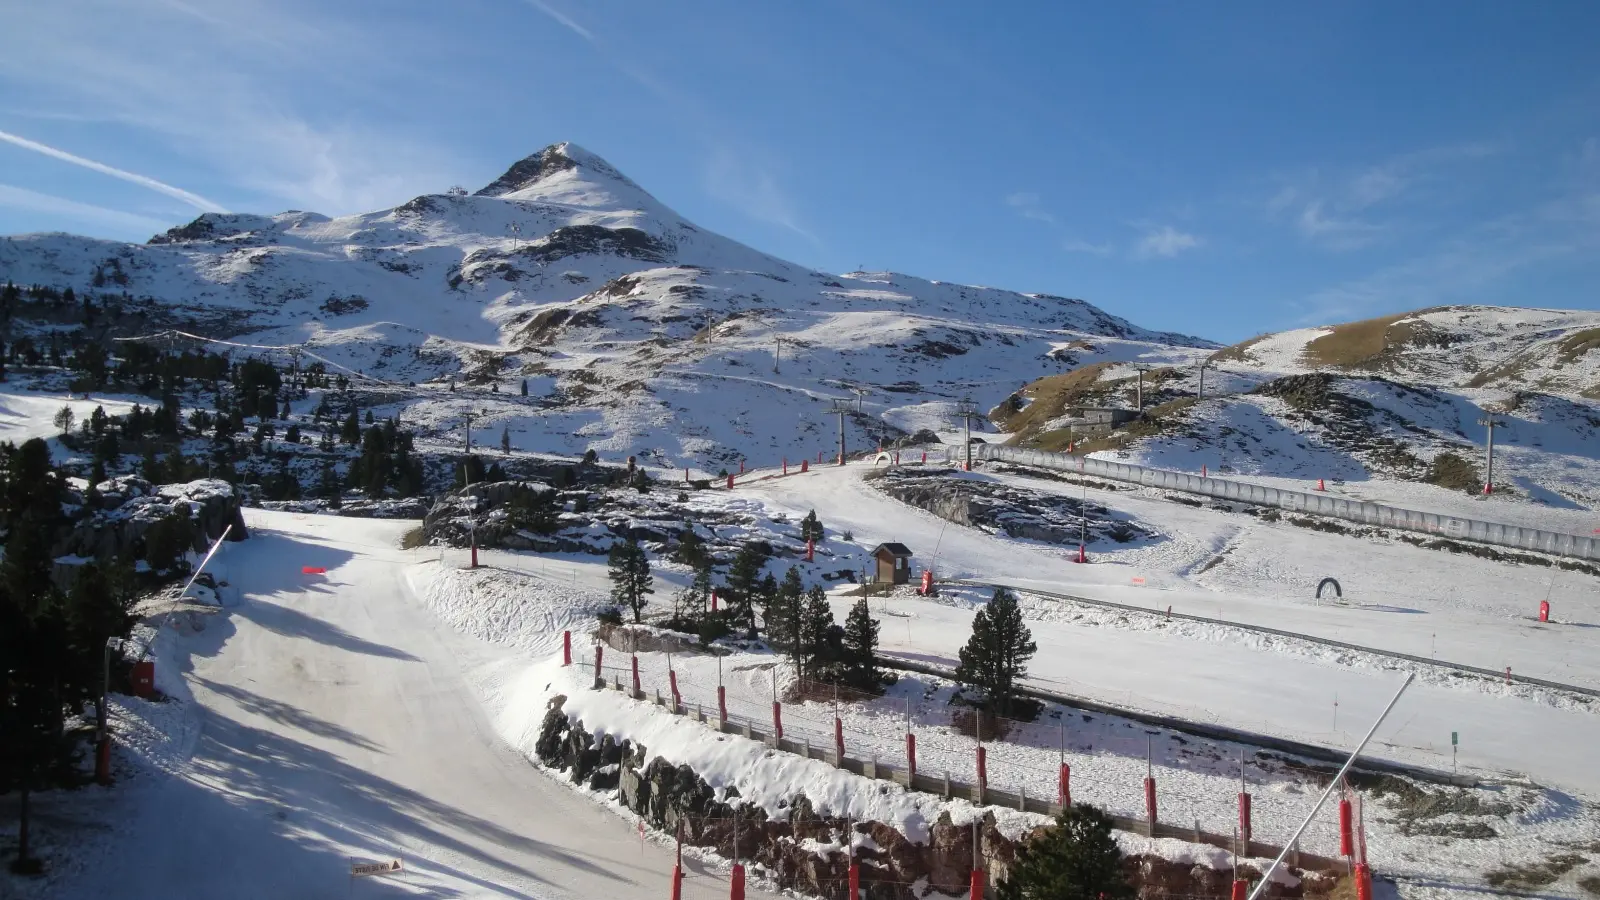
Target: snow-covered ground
338, 721
29, 414
386, 709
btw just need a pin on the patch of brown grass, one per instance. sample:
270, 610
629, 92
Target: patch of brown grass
1353, 343
1051, 396
1453, 471
1535, 875
1576, 345
1237, 353
1157, 420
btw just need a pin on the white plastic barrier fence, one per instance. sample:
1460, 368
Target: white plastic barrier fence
1460, 528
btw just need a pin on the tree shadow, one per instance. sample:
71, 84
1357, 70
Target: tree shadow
295, 624
289, 714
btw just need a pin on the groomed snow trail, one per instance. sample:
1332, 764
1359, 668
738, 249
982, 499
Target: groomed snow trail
340, 720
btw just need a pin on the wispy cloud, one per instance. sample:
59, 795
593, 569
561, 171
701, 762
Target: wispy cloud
1165, 242
1027, 205
192, 199
1337, 212
1076, 245
21, 198
563, 19
753, 189
1468, 267
735, 171
132, 68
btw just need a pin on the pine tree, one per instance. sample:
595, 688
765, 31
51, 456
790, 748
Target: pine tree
859, 664
150, 467
63, 420
997, 654
811, 527
817, 637
630, 576
524, 387
1077, 858
782, 611
744, 583
505, 440
691, 549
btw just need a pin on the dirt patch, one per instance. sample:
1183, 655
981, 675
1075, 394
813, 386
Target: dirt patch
1535, 875
1590, 885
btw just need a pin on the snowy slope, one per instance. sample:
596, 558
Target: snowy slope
1391, 403
638, 331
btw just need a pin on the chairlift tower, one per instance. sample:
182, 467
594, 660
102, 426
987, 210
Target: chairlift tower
1490, 422
968, 411
840, 407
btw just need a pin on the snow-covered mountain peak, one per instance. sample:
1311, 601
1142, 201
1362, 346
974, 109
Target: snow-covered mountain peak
569, 175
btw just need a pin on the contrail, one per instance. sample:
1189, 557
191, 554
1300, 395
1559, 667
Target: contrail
192, 199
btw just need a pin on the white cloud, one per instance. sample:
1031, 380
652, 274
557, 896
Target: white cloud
1075, 245
1165, 242
192, 199
21, 198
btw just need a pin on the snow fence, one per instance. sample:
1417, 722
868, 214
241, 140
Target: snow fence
1460, 528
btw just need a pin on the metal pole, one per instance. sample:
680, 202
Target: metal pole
1489, 422
1266, 877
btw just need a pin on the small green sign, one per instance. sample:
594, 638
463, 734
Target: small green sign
1455, 738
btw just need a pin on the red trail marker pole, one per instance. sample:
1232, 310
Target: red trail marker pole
566, 648
677, 868
1347, 843
1544, 610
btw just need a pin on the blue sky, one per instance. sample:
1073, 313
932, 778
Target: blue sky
1220, 169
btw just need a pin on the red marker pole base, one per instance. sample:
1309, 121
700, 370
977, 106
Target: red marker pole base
102, 761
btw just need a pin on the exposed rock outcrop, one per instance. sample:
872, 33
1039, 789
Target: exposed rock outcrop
801, 848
